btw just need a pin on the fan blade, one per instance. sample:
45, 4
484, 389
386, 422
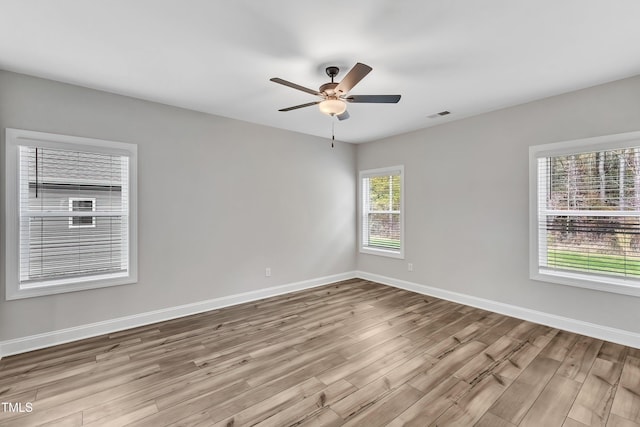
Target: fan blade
295, 86
343, 116
357, 73
378, 99
295, 107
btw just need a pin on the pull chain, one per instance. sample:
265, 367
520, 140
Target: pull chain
333, 133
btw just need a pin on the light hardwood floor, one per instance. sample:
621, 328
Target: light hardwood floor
352, 353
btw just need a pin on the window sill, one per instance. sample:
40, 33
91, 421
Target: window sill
597, 283
52, 287
382, 252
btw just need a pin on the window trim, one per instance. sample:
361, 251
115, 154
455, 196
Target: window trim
576, 279
14, 138
93, 209
368, 173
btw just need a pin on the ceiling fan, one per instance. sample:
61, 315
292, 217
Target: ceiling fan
335, 95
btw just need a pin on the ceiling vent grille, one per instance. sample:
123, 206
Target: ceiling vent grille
440, 114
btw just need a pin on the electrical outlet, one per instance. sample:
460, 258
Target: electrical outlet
410, 266
267, 272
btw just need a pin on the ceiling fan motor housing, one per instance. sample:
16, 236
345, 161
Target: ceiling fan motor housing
328, 89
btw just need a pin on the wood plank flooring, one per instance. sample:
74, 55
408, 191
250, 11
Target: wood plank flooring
354, 353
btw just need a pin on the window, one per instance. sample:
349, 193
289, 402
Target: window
71, 213
585, 213
82, 205
382, 217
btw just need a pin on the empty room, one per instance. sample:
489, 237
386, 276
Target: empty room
295, 213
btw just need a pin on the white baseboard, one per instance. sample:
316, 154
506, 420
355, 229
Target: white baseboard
48, 339
606, 333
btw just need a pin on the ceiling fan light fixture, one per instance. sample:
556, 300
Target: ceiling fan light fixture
333, 107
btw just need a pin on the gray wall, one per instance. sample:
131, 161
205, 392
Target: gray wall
467, 201
219, 200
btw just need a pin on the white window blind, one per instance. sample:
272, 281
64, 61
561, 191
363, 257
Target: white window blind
51, 180
382, 216
74, 213
588, 215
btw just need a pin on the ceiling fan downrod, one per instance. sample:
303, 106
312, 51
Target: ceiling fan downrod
332, 71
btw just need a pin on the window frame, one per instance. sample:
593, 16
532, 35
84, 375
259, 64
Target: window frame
369, 173
603, 283
14, 139
93, 209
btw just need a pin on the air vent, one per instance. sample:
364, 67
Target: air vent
440, 114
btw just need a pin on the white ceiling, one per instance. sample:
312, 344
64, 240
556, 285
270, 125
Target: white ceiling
215, 56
